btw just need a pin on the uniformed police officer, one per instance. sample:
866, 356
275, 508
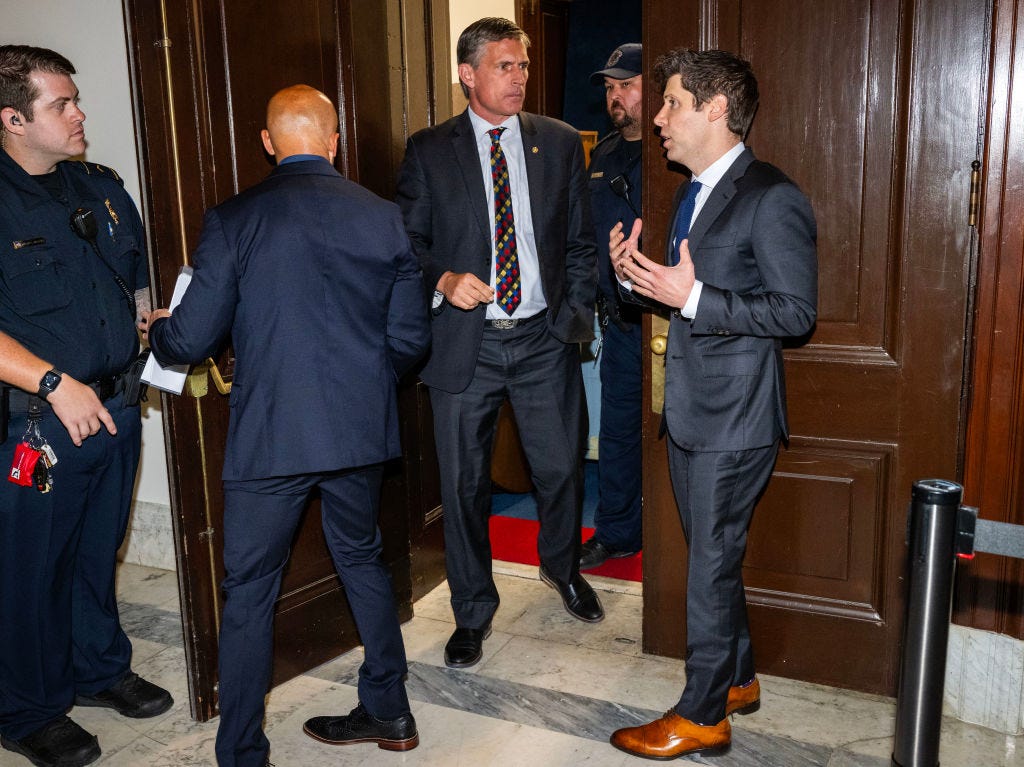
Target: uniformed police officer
67, 334
614, 197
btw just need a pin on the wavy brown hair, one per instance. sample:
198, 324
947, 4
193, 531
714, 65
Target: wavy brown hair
705, 74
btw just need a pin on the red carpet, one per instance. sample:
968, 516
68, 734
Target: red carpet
515, 540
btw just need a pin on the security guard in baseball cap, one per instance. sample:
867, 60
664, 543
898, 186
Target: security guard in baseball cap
615, 196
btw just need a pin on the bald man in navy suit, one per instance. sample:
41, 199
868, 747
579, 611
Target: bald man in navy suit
319, 287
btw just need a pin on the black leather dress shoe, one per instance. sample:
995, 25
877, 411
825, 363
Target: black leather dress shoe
579, 599
466, 647
133, 697
61, 743
360, 726
594, 554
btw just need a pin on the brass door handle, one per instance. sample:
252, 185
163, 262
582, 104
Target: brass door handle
198, 385
658, 345
222, 385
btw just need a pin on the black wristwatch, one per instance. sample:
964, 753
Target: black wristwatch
51, 380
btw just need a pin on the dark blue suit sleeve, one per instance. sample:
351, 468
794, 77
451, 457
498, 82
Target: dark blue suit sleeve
204, 317
413, 197
408, 331
783, 246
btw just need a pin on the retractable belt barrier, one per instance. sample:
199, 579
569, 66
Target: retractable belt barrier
940, 530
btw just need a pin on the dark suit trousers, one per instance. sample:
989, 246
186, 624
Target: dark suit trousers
542, 378
715, 494
260, 518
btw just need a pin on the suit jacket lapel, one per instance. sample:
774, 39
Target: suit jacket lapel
713, 206
535, 173
724, 191
464, 145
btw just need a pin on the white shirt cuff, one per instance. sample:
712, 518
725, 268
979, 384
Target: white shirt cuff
689, 309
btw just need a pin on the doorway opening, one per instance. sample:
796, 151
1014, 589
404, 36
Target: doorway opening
570, 40
514, 529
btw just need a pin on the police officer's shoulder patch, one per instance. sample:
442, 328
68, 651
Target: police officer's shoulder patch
95, 169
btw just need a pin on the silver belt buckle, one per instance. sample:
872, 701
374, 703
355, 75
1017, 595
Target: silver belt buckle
503, 324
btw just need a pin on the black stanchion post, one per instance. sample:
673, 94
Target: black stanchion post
933, 526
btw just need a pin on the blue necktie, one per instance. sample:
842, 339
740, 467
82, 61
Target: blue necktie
681, 228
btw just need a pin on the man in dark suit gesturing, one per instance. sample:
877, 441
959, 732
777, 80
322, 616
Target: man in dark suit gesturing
318, 285
495, 203
741, 275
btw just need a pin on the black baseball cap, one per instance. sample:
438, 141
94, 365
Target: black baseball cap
625, 62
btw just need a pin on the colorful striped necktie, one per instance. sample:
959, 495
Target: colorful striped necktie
506, 261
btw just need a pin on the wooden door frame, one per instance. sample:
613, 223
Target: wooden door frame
547, 59
990, 589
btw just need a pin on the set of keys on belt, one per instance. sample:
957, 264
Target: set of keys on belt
33, 459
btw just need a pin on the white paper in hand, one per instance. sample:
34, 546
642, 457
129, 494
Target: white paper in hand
172, 377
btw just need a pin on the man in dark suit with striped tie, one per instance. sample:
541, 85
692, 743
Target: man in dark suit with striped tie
495, 202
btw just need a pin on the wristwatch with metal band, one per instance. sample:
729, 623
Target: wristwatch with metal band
51, 380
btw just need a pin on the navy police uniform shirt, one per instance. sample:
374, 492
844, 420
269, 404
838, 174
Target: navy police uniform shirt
612, 156
57, 299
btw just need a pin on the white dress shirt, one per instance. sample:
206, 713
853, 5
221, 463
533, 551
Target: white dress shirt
708, 179
711, 176
526, 245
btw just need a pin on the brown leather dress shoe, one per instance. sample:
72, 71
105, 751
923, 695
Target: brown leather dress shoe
672, 736
745, 699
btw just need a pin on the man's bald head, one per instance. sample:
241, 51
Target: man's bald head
301, 120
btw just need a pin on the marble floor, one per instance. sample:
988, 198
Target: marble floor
548, 692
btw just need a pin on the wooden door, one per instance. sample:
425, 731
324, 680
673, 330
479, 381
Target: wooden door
990, 589
874, 110
546, 22
202, 74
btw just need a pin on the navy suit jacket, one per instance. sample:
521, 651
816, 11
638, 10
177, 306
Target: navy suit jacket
753, 247
444, 202
318, 285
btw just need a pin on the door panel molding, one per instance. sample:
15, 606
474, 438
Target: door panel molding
839, 354
819, 531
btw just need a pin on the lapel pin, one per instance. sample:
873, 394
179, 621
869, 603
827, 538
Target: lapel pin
535, 150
